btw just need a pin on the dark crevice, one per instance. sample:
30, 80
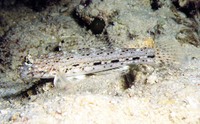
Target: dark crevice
56, 49
97, 25
78, 19
34, 90
129, 79
190, 8
155, 4
35, 5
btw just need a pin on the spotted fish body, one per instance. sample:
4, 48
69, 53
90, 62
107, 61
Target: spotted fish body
86, 61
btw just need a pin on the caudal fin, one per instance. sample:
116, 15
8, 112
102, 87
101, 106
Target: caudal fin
169, 53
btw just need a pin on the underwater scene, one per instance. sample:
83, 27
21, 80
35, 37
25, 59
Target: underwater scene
100, 61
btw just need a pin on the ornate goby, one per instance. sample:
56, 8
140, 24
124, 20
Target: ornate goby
85, 61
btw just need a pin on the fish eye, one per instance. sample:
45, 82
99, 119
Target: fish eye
28, 62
